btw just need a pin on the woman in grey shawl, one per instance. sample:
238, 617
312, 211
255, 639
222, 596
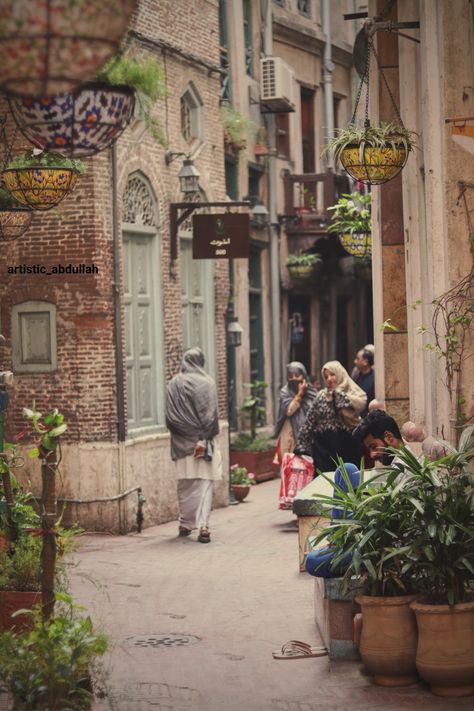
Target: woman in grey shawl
192, 419
296, 398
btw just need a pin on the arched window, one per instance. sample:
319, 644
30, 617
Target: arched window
143, 307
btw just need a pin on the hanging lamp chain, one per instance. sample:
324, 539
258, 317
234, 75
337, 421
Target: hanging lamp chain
366, 75
388, 87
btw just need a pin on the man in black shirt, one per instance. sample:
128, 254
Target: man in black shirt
365, 379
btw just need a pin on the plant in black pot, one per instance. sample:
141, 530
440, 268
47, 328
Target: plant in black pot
369, 541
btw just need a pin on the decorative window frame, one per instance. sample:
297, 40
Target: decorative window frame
23, 356
192, 100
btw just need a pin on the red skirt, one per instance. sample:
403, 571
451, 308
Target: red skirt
296, 473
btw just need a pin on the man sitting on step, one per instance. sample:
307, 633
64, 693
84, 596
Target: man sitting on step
377, 432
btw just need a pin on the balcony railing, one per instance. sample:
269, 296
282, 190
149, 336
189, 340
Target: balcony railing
311, 193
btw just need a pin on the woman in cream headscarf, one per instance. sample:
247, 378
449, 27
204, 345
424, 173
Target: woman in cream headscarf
327, 432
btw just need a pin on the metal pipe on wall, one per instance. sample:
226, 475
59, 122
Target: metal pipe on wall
328, 68
273, 228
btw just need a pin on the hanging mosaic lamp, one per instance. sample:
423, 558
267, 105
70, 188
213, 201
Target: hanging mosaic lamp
374, 165
53, 46
40, 188
358, 244
79, 124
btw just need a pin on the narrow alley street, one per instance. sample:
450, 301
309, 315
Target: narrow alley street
192, 627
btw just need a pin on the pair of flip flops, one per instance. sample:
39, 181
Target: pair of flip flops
294, 649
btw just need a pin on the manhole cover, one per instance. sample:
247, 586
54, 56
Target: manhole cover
163, 640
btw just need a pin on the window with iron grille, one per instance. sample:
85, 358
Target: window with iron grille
226, 89
247, 9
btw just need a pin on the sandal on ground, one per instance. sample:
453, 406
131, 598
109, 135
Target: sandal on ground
204, 536
183, 531
299, 650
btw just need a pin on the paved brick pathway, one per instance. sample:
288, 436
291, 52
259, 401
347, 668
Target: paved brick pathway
237, 599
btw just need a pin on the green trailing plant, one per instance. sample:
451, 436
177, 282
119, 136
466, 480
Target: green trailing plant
246, 443
7, 201
374, 136
351, 214
236, 126
36, 159
303, 259
55, 665
146, 76
240, 476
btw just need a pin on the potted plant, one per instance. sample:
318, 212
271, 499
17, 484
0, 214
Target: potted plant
250, 450
240, 481
54, 664
20, 580
41, 180
373, 154
351, 220
439, 495
236, 128
370, 539
302, 265
91, 118
14, 217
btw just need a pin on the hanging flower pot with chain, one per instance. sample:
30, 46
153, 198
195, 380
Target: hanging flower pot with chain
40, 182
375, 153
15, 219
52, 46
351, 220
89, 120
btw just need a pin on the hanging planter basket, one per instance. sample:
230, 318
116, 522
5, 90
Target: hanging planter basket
79, 124
14, 223
301, 272
358, 244
373, 165
52, 46
40, 188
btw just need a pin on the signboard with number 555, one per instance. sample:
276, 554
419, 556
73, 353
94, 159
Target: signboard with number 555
224, 236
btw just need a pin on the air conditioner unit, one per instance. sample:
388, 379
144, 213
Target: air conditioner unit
276, 86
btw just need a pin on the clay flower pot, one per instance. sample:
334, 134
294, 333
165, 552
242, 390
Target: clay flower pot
389, 639
240, 491
40, 188
445, 654
10, 602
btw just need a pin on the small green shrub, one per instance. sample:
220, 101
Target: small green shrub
240, 476
245, 442
302, 259
34, 159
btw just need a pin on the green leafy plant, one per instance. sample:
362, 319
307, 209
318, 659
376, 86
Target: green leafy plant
20, 565
53, 666
36, 159
254, 404
245, 442
303, 259
351, 214
240, 476
49, 428
236, 126
376, 136
146, 76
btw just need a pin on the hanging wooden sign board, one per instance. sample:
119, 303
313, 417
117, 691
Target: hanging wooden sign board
224, 236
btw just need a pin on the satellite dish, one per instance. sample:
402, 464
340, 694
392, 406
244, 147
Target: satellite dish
359, 53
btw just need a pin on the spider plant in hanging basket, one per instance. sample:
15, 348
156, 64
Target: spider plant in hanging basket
373, 154
41, 181
89, 120
15, 219
351, 220
302, 265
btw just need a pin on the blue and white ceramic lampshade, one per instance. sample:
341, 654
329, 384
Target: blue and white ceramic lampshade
79, 124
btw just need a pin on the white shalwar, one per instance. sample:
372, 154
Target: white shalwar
195, 479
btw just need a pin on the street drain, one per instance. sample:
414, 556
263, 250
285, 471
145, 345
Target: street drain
163, 640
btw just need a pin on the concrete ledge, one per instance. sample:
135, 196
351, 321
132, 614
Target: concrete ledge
334, 616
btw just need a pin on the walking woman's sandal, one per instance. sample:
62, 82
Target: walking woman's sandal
204, 536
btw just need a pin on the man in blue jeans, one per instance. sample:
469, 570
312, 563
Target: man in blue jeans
377, 432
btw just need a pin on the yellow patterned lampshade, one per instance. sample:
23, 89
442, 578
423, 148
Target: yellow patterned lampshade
51, 46
358, 244
373, 165
40, 188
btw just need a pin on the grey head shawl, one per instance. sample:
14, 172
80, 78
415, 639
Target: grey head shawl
286, 396
191, 405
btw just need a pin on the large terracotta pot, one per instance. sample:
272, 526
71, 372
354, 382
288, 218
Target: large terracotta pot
10, 602
445, 654
259, 463
389, 638
240, 491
